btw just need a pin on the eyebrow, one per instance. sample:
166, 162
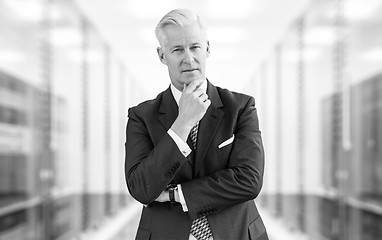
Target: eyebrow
177, 46
181, 46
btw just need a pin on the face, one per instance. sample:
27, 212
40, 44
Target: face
184, 51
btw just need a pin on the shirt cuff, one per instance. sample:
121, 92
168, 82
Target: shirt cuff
183, 146
181, 199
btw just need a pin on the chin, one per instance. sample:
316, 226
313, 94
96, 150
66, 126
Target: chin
188, 81
193, 79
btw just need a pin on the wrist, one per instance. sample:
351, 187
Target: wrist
181, 128
173, 193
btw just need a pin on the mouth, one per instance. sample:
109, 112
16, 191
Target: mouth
190, 70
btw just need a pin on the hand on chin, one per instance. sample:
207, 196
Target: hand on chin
198, 80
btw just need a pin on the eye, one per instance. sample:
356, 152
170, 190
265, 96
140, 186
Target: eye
195, 47
176, 50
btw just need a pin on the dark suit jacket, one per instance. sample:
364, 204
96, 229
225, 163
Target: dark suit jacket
220, 183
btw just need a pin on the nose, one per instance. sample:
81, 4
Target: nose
188, 57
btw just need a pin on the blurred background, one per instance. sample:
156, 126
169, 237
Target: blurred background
69, 71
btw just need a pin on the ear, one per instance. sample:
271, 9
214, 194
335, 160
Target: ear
208, 48
161, 55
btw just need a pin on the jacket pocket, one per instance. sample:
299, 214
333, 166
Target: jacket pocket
224, 152
256, 230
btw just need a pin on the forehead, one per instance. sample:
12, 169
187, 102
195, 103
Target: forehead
176, 35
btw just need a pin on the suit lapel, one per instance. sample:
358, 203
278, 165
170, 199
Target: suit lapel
208, 126
168, 109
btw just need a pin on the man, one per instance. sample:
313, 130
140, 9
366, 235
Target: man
194, 154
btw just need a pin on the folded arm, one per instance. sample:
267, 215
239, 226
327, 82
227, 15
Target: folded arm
149, 169
241, 180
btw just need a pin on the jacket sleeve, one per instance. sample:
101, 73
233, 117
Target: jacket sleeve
148, 168
241, 180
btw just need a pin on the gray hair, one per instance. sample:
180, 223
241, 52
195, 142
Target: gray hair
177, 17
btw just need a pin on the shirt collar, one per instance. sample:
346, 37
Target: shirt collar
177, 94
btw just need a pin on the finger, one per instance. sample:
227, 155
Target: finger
207, 103
199, 81
198, 92
203, 97
186, 89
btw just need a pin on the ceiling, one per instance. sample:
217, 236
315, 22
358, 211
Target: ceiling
241, 34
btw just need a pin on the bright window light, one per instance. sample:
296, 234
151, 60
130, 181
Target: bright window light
92, 56
359, 10
224, 35
224, 9
150, 9
321, 36
373, 55
63, 37
220, 54
25, 10
11, 56
310, 54
148, 35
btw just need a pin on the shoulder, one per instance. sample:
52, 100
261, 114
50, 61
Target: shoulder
147, 107
237, 106
237, 99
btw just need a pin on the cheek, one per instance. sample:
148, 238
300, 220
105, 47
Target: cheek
174, 63
174, 68
171, 64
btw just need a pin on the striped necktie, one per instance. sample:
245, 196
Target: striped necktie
200, 228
